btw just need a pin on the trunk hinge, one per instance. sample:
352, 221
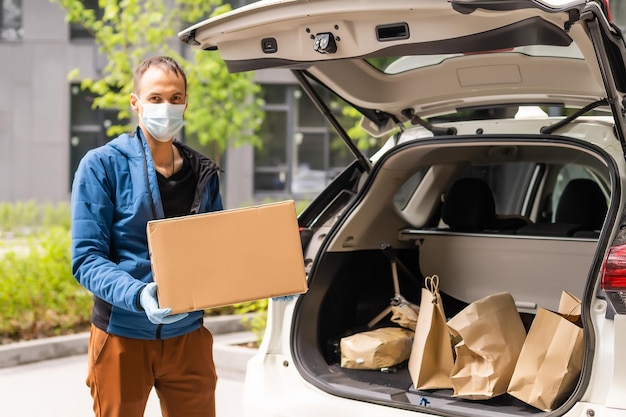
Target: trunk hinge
435, 130
574, 16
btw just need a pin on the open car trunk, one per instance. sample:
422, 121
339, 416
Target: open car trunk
487, 92
351, 277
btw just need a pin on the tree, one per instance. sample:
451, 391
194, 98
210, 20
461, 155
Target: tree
223, 108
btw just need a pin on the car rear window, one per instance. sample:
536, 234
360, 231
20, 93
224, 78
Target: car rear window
509, 184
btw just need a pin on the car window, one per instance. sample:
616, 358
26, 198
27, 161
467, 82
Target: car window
509, 183
568, 173
403, 195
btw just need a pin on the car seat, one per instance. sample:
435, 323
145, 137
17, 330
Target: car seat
469, 206
579, 213
582, 203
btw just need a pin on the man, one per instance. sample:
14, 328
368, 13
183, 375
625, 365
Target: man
134, 345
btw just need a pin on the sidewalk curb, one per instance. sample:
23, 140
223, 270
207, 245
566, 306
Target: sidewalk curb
20, 353
229, 355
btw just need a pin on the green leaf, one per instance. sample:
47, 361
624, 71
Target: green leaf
223, 108
73, 75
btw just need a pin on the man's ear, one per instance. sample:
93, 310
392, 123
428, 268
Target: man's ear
133, 103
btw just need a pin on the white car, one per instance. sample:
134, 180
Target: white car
503, 172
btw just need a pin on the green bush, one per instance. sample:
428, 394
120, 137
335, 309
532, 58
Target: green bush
257, 321
38, 294
23, 218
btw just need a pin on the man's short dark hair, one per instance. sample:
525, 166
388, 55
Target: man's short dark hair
164, 62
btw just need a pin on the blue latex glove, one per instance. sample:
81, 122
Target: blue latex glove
284, 298
150, 304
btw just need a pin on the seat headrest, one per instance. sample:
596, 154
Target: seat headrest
583, 203
469, 205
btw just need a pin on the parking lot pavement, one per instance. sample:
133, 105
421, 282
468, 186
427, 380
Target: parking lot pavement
56, 387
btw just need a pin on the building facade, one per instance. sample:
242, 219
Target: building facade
47, 123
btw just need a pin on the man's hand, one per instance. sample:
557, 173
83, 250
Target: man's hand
150, 304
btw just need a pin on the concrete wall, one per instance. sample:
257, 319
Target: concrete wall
34, 111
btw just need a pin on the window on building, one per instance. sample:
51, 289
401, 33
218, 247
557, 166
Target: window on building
271, 161
87, 125
301, 154
11, 20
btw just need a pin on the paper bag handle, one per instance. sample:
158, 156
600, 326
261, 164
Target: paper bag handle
432, 284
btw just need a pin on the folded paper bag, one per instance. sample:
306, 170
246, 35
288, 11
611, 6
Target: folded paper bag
376, 349
551, 359
489, 335
405, 315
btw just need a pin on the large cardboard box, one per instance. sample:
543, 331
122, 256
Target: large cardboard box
227, 257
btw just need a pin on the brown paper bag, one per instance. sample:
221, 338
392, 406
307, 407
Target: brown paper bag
431, 357
405, 315
376, 349
550, 362
569, 307
490, 336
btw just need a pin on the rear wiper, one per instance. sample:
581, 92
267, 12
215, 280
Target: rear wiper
551, 128
435, 130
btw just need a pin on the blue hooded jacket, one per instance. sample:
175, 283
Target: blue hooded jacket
114, 194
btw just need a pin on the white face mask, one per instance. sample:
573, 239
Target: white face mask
162, 120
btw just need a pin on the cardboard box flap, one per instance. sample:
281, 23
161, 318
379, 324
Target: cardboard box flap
227, 257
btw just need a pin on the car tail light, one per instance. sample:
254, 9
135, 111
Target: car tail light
614, 269
614, 277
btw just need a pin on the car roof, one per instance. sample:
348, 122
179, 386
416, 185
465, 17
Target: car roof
445, 54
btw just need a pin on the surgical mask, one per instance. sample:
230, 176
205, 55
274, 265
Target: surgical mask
162, 120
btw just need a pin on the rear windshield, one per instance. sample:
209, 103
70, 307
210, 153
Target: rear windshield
514, 186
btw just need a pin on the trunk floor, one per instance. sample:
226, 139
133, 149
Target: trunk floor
395, 386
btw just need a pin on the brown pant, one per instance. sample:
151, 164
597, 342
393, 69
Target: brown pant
122, 372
